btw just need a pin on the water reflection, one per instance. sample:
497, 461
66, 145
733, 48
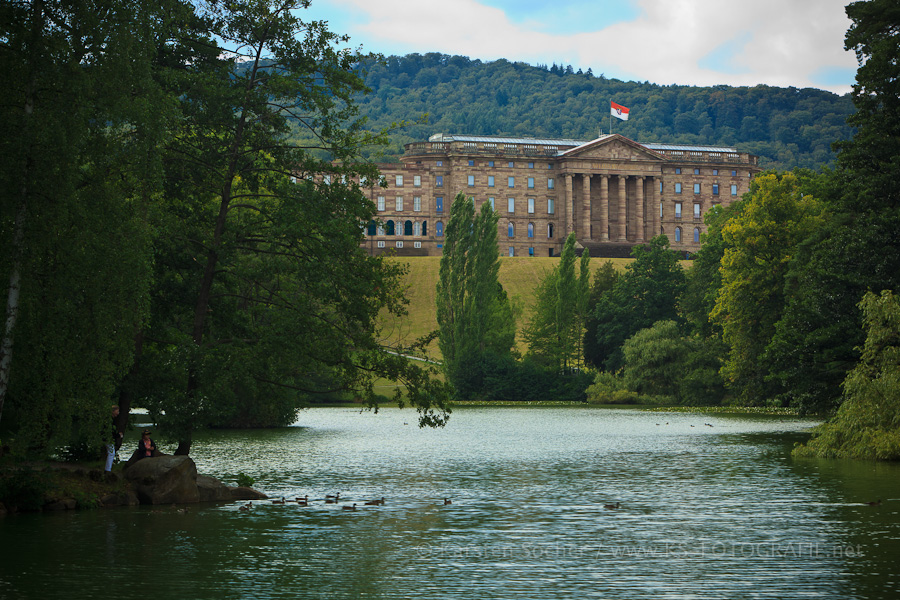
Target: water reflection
711, 507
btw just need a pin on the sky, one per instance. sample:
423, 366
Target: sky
783, 43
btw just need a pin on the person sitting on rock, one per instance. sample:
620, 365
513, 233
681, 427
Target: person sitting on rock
146, 446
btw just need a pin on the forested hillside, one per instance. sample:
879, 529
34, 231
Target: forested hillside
786, 127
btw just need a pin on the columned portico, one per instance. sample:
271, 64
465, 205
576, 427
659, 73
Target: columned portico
604, 208
570, 205
623, 211
586, 207
640, 224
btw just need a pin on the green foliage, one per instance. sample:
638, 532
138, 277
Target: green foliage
867, 424
661, 362
24, 489
244, 480
760, 242
610, 388
555, 332
473, 312
786, 127
604, 280
648, 292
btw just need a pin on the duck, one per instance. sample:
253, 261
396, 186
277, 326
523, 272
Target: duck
304, 501
447, 501
245, 506
875, 503
279, 501
611, 506
349, 507
332, 499
374, 502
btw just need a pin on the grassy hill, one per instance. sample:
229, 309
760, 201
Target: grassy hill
519, 277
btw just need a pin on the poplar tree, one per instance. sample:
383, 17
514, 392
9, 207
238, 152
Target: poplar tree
473, 312
557, 326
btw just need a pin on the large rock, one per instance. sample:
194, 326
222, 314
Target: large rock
212, 490
164, 480
246, 493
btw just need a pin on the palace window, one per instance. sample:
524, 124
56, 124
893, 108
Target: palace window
678, 234
550, 207
678, 170
372, 229
398, 180
471, 179
531, 206
696, 171
531, 252
511, 182
510, 230
531, 183
417, 244
417, 203
678, 210
733, 189
512, 165
439, 181
531, 230
439, 204
696, 235
491, 202
399, 203
439, 229
550, 230
381, 243
696, 211
389, 227
696, 188
512, 251
549, 183
417, 180
398, 244
380, 202
677, 188
715, 189
510, 205
471, 163
490, 181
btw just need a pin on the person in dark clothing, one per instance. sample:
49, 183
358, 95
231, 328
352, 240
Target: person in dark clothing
146, 446
115, 439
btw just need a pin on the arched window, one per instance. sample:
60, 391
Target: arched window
510, 230
696, 235
408, 228
372, 228
531, 230
678, 234
439, 229
550, 230
424, 227
417, 228
390, 227
381, 230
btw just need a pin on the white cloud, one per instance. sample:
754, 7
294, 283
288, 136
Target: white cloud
688, 42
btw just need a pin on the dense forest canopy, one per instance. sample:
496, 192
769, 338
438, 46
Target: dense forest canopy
786, 127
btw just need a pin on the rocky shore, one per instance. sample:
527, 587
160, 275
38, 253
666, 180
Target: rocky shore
158, 480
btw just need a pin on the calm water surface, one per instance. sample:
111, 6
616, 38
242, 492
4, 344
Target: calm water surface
711, 507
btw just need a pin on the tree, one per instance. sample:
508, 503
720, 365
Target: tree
264, 298
857, 250
556, 329
604, 280
473, 312
867, 424
648, 292
78, 128
760, 243
663, 363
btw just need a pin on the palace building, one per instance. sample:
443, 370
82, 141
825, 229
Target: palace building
612, 192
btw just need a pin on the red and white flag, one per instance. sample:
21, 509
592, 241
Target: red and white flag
617, 110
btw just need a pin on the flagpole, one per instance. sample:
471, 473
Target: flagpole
610, 116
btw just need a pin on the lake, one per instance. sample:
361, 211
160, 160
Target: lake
710, 506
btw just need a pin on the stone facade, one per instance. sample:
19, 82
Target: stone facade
612, 192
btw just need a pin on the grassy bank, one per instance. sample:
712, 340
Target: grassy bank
519, 277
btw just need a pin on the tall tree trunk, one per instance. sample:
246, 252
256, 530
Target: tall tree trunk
15, 274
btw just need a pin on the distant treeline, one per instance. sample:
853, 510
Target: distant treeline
786, 127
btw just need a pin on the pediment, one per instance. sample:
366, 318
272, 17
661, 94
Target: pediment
613, 147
